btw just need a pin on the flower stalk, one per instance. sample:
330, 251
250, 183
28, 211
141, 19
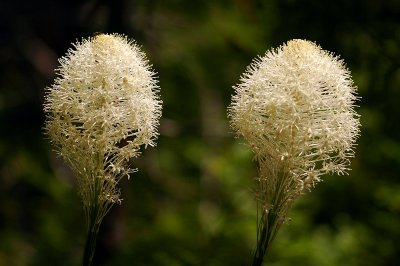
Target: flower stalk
92, 231
267, 229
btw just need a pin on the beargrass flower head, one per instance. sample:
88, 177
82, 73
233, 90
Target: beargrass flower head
296, 105
100, 110
295, 108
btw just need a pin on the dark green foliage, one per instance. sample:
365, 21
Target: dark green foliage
191, 202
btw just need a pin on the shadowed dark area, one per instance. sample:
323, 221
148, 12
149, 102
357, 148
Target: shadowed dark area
191, 201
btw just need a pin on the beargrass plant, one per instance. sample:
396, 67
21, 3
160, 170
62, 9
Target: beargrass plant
295, 108
102, 108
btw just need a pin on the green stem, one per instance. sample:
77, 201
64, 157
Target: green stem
261, 249
271, 219
90, 246
269, 228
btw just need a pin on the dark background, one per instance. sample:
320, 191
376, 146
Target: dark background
191, 201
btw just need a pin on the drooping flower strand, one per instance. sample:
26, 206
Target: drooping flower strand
295, 107
100, 110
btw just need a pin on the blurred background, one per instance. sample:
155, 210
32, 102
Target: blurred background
191, 202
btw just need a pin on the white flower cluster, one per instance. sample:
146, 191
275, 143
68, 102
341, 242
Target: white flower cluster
295, 107
100, 110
